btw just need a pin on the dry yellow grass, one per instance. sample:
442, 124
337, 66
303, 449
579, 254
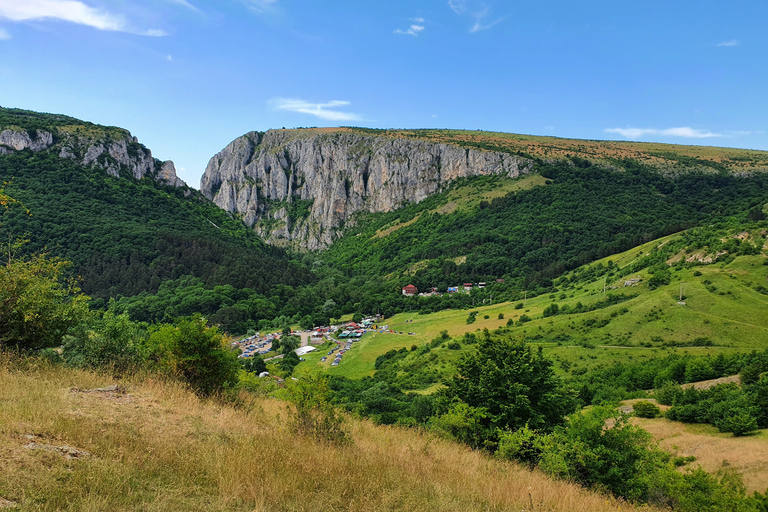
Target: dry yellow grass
714, 450
158, 447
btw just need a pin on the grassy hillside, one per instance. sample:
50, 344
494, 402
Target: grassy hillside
152, 445
667, 158
712, 449
723, 271
537, 227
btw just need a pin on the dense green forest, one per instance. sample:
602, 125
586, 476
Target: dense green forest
126, 236
582, 214
162, 251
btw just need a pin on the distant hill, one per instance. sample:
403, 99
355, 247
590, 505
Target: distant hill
97, 198
699, 292
441, 206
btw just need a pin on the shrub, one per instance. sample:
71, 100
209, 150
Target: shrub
311, 413
523, 445
105, 341
196, 353
551, 310
645, 409
620, 457
740, 423
37, 305
501, 316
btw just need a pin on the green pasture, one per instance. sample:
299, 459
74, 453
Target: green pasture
721, 312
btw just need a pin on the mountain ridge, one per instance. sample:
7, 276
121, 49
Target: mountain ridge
336, 174
112, 149
331, 174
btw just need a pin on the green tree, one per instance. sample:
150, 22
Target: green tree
311, 412
289, 362
601, 448
513, 385
646, 409
286, 343
196, 353
38, 306
105, 340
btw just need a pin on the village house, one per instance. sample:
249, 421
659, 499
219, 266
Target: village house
410, 290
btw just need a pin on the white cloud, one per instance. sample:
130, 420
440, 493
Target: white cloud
169, 58
681, 131
4, 35
417, 20
73, 11
325, 111
479, 25
685, 131
732, 42
186, 4
458, 6
261, 6
478, 11
413, 30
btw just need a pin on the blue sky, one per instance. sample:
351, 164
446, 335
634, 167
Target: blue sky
188, 76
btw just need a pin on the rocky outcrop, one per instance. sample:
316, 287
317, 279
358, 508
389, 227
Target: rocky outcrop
301, 187
119, 154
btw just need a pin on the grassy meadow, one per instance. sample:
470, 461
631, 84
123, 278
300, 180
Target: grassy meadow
152, 445
722, 312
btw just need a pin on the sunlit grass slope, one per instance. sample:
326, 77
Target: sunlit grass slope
723, 311
665, 157
154, 446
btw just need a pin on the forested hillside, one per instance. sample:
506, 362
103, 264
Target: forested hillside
582, 212
125, 235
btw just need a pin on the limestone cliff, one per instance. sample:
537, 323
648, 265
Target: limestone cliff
112, 149
300, 187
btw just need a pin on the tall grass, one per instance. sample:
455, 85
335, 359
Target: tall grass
160, 447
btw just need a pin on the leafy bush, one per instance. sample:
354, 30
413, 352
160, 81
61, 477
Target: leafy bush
106, 340
196, 353
37, 305
311, 412
621, 458
645, 409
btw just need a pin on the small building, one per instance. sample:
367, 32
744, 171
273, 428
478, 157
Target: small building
410, 290
499, 280
453, 289
481, 285
468, 287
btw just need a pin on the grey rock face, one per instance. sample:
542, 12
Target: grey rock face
13, 140
259, 175
116, 157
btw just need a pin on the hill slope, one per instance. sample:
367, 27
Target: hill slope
722, 271
301, 187
98, 199
151, 445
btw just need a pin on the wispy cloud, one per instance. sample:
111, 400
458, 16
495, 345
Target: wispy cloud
72, 11
261, 6
732, 42
4, 35
327, 111
413, 30
681, 131
185, 3
418, 20
480, 13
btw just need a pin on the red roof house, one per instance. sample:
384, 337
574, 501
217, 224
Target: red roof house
410, 290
